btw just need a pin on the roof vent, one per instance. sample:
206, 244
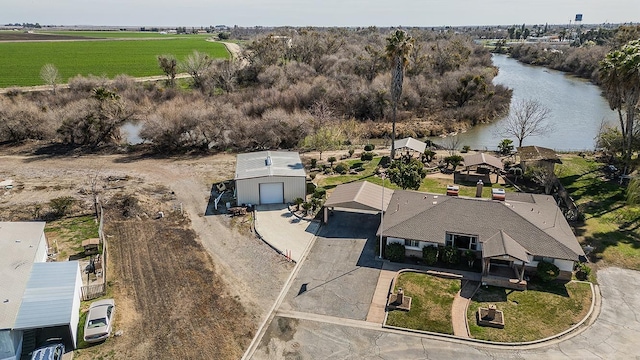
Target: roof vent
268, 161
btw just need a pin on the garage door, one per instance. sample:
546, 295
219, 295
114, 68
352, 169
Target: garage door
272, 193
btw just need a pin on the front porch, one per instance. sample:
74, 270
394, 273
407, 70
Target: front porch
503, 273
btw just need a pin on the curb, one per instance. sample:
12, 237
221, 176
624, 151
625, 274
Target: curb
574, 330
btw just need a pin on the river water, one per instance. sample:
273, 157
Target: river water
577, 108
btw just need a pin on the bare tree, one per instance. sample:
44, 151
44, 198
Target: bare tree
196, 65
169, 66
50, 75
527, 118
451, 144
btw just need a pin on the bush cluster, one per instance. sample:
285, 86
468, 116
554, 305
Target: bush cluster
395, 252
430, 255
547, 271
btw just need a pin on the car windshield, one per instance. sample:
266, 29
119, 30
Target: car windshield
97, 323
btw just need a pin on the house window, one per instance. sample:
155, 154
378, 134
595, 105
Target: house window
543, 258
412, 243
462, 241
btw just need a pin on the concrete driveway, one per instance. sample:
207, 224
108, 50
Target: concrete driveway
306, 335
283, 231
340, 273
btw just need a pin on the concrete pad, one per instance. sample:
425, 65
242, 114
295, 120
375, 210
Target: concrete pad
283, 231
379, 302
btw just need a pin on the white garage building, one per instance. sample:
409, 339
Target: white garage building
269, 177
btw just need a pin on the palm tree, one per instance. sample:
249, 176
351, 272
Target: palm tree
399, 45
620, 77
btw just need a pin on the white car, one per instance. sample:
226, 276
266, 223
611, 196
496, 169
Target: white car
98, 325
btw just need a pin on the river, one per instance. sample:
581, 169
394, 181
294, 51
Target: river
577, 108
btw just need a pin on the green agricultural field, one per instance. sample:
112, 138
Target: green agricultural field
123, 34
22, 61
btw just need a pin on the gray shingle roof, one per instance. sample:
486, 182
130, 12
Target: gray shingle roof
502, 244
539, 227
268, 163
533, 153
361, 195
483, 159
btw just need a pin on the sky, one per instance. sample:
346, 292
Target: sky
315, 12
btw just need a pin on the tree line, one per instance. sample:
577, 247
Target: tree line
285, 87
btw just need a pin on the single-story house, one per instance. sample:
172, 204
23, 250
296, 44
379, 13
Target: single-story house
509, 236
39, 299
269, 177
538, 156
409, 144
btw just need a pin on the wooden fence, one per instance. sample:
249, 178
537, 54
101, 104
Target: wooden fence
90, 292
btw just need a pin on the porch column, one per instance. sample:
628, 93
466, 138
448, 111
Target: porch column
326, 215
497, 176
522, 272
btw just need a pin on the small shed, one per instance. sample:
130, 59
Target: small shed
409, 144
269, 177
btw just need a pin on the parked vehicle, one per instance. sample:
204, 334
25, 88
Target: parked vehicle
98, 325
51, 350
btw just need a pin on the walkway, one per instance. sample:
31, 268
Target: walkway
279, 228
459, 308
379, 301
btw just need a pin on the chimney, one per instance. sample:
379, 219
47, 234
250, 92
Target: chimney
498, 194
452, 190
479, 186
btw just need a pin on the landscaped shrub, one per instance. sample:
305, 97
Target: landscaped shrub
470, 256
341, 168
385, 161
547, 271
319, 193
465, 149
311, 188
366, 156
351, 151
582, 271
369, 147
395, 252
331, 160
450, 255
314, 163
430, 255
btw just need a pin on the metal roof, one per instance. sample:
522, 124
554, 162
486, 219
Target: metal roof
19, 243
361, 195
483, 159
49, 296
269, 163
410, 143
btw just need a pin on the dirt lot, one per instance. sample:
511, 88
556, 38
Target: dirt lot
190, 286
23, 36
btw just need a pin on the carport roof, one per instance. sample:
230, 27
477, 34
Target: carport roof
410, 143
361, 195
269, 163
49, 296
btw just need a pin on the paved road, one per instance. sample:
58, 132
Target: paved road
614, 335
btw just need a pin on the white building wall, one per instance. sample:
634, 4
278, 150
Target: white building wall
248, 190
75, 309
43, 248
563, 265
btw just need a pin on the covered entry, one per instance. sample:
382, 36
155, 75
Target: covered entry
271, 193
500, 256
360, 196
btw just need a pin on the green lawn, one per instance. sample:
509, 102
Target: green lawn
610, 225
431, 302
532, 314
22, 61
68, 234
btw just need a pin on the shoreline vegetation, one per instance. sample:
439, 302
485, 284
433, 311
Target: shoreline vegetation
288, 90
